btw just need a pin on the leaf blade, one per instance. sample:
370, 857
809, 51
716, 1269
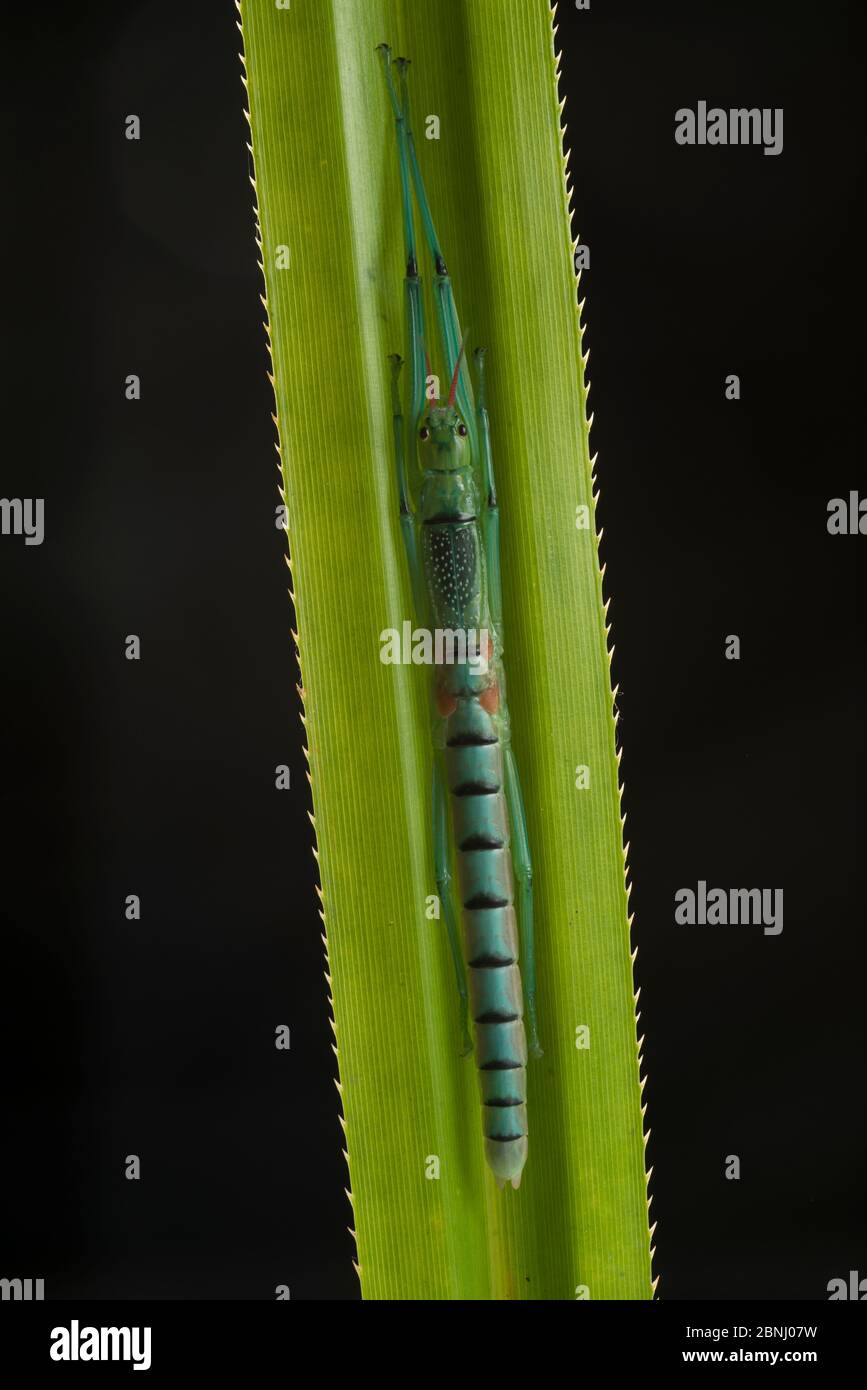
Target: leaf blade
327, 187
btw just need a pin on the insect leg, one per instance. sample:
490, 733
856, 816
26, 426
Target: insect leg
524, 874
407, 518
412, 283
444, 890
492, 510
447, 314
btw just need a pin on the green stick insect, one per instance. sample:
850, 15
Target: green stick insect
451, 533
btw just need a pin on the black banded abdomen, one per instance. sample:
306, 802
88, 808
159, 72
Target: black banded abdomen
474, 765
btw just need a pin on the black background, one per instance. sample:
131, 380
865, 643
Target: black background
157, 777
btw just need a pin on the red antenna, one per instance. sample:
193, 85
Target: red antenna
454, 386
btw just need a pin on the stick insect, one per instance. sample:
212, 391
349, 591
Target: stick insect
450, 523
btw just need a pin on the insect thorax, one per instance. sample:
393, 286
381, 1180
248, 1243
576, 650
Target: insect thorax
448, 494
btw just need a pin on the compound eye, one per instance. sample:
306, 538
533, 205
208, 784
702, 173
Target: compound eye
424, 432
462, 429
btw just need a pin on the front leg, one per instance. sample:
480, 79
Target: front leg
412, 282
446, 310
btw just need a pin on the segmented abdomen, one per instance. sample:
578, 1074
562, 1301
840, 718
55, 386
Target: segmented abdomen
474, 761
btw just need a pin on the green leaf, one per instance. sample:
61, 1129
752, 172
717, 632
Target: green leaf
328, 192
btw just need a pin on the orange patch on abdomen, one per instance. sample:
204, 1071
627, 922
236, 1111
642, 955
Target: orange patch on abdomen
490, 698
447, 703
